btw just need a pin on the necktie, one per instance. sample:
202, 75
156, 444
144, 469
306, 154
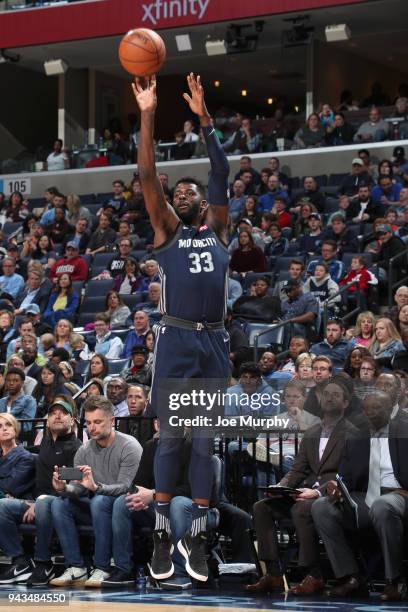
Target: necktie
374, 477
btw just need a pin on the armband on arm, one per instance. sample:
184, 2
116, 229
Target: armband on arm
218, 190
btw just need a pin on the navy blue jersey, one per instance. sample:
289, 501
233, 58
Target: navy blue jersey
193, 267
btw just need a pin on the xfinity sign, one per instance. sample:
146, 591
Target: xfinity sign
173, 9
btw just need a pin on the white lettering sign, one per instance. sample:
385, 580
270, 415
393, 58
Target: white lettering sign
173, 9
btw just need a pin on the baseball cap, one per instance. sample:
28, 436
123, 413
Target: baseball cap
73, 245
383, 229
357, 161
33, 309
62, 404
139, 349
290, 284
315, 216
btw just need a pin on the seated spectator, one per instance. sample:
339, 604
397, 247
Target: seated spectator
311, 193
278, 244
249, 182
300, 309
57, 159
72, 264
106, 343
339, 132
117, 200
326, 116
16, 209
190, 135
267, 201
50, 384
344, 237
43, 252
181, 150
245, 166
390, 246
102, 238
303, 370
29, 353
297, 345
7, 332
274, 166
402, 322
322, 371
239, 345
309, 242
246, 225
283, 218
262, 188
21, 406
57, 448
268, 365
136, 399
59, 228
25, 327
17, 465
357, 178
323, 287
373, 130
391, 218
98, 367
400, 299
58, 200
116, 310
117, 265
200, 147
358, 272
386, 191
80, 237
364, 383
125, 233
63, 332
363, 332
129, 280
151, 305
36, 292
237, 201
329, 252
75, 211
116, 392
238, 400
136, 337
386, 343
68, 373
296, 270
244, 140
139, 371
150, 269
63, 302
150, 343
311, 135
354, 360
311, 476
334, 345
247, 257
113, 480
11, 282
301, 227
251, 211
259, 306
16, 361
362, 207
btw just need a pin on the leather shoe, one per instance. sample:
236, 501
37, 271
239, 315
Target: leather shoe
351, 587
266, 584
308, 586
394, 592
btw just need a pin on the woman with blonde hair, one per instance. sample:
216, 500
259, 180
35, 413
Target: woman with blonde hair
303, 370
17, 465
76, 211
63, 334
386, 342
363, 331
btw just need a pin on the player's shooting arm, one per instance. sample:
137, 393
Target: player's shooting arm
162, 216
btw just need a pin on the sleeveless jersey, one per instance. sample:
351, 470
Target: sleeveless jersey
320, 291
193, 267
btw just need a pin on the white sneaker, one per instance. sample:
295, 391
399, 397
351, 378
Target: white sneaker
96, 578
73, 576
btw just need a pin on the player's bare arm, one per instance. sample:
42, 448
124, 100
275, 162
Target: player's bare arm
162, 216
217, 212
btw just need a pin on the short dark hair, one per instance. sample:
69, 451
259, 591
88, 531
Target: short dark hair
102, 316
330, 243
18, 371
335, 321
193, 181
251, 367
297, 262
276, 226
121, 183
62, 353
98, 402
265, 279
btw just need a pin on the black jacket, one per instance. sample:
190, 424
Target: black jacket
61, 452
253, 308
317, 198
390, 249
351, 184
41, 297
83, 242
374, 209
346, 241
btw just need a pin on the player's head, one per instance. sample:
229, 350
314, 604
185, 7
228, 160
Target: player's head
188, 199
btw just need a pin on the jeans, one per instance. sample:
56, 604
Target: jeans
180, 522
123, 523
95, 511
11, 516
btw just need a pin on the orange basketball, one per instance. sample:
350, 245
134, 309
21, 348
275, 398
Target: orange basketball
142, 52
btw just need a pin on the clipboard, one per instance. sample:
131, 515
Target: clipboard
273, 490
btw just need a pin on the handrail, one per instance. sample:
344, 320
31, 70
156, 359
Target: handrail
267, 331
340, 292
391, 285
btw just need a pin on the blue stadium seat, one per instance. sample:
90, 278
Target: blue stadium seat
140, 254
101, 197
99, 287
78, 286
96, 270
93, 208
275, 336
10, 227
82, 367
84, 318
116, 366
93, 303
103, 259
331, 206
121, 333
336, 179
87, 198
133, 299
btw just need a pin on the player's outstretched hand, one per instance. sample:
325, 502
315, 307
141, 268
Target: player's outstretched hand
196, 99
144, 89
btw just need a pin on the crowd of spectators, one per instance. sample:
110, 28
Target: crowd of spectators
79, 297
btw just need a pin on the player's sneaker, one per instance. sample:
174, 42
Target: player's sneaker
43, 572
73, 576
18, 572
194, 551
118, 578
161, 566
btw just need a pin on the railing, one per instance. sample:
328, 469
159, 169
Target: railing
350, 314
267, 331
402, 281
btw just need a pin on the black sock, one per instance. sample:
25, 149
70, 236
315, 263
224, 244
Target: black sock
273, 568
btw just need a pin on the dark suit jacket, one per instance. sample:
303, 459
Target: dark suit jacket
307, 468
354, 466
42, 295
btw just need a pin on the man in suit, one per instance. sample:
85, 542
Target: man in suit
375, 470
317, 463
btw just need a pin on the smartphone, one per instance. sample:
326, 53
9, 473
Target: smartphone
133, 489
69, 473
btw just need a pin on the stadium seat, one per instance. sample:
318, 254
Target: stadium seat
99, 287
101, 197
140, 254
321, 180
275, 336
93, 303
87, 198
82, 367
116, 366
336, 179
10, 227
84, 318
133, 299
78, 286
103, 259
96, 270
331, 206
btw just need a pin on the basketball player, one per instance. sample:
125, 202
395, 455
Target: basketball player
191, 339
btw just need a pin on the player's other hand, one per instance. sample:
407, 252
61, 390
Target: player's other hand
144, 89
196, 99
